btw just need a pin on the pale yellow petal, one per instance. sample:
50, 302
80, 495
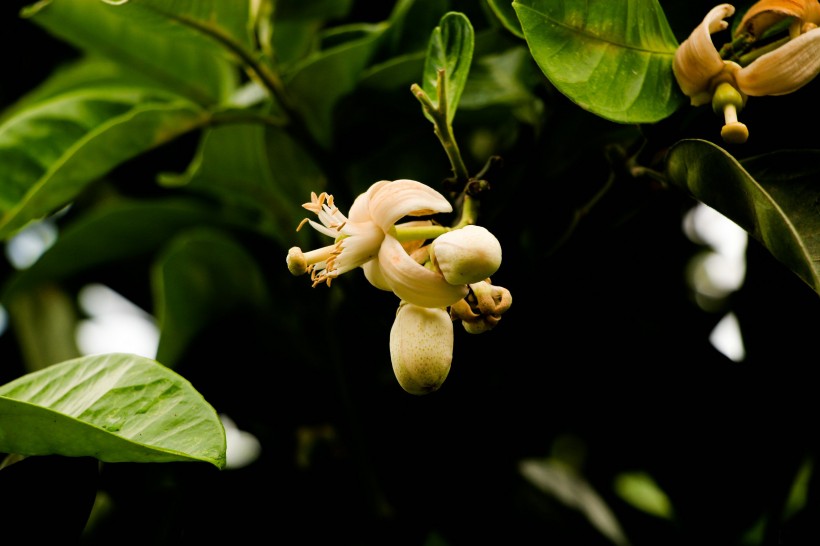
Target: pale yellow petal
413, 282
391, 202
697, 60
784, 70
373, 273
765, 13
360, 211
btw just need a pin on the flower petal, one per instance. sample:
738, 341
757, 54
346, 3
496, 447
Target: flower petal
765, 13
360, 211
697, 60
373, 273
391, 202
413, 282
361, 245
784, 70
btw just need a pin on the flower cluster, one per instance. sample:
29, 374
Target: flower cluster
755, 63
429, 267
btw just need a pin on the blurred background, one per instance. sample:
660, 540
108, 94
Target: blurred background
651, 383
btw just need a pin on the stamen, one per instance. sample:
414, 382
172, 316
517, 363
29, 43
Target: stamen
302, 223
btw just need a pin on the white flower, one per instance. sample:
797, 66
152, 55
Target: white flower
421, 347
366, 238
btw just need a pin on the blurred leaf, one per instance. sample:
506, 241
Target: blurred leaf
611, 58
181, 58
200, 277
216, 19
504, 10
410, 23
799, 492
114, 232
318, 83
114, 407
641, 491
499, 79
557, 480
259, 170
44, 319
296, 27
775, 198
51, 151
451, 49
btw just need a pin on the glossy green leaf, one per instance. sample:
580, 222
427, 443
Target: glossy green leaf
450, 49
318, 83
201, 276
259, 171
503, 9
52, 150
613, 59
773, 197
183, 59
114, 407
118, 231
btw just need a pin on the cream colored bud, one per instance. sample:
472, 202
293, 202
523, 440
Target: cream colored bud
466, 255
421, 347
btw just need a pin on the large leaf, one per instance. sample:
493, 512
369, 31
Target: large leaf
180, 57
611, 58
52, 150
202, 276
450, 49
118, 231
259, 171
342, 64
773, 197
505, 12
114, 407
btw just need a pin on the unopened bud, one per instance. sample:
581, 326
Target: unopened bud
421, 347
466, 255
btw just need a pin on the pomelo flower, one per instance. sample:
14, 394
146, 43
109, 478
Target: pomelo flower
367, 238
421, 347
701, 72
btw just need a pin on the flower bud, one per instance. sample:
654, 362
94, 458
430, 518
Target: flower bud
421, 347
466, 255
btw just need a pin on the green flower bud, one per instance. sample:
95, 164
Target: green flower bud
421, 347
467, 255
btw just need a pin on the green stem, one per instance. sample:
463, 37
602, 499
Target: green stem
419, 233
746, 60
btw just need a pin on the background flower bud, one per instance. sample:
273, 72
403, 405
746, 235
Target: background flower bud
421, 347
467, 255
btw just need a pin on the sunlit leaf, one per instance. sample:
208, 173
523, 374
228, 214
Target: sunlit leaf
114, 407
181, 58
200, 277
611, 58
52, 150
450, 49
641, 491
773, 197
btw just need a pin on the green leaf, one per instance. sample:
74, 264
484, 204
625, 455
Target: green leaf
117, 231
201, 276
450, 49
774, 198
114, 407
641, 491
505, 13
52, 150
318, 83
181, 58
259, 171
613, 59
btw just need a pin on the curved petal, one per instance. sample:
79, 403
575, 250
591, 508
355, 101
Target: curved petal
784, 70
373, 273
765, 13
391, 202
413, 282
697, 60
360, 211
